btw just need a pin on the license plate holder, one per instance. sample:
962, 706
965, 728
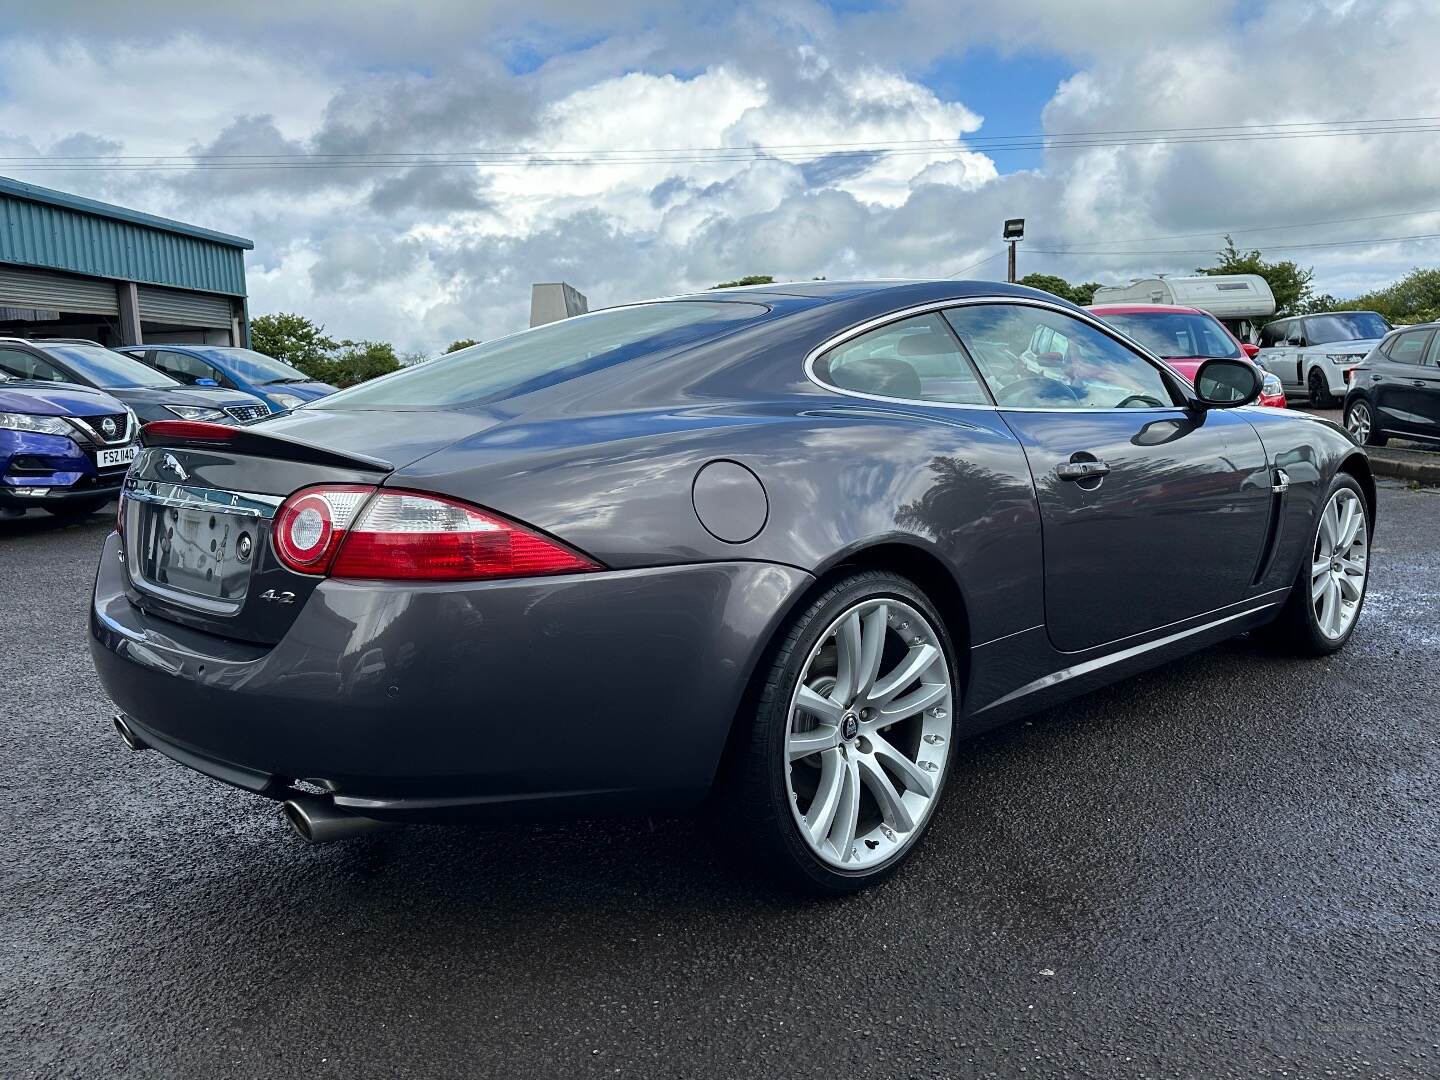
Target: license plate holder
119, 455
196, 551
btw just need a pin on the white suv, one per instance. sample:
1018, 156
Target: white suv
1313, 355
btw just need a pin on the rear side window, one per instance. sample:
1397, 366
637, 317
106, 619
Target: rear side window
1271, 335
550, 354
916, 359
23, 365
1409, 348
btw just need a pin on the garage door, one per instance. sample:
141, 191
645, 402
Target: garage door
182, 308
21, 288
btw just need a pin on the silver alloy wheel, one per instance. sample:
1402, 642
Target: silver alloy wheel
1358, 422
868, 734
1341, 561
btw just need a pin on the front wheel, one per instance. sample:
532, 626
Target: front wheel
850, 744
1320, 395
1360, 422
1329, 591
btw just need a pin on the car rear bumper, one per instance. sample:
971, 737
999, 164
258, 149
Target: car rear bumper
612, 690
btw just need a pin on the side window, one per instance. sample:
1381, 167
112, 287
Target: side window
1083, 368
24, 365
1432, 357
1295, 333
1271, 336
917, 359
1409, 348
184, 367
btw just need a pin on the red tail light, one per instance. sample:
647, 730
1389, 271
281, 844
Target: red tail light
189, 429
362, 532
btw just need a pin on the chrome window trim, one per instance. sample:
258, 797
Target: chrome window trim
968, 301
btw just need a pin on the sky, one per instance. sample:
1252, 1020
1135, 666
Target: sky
638, 149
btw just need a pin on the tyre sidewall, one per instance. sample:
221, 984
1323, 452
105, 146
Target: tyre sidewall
1319, 642
772, 722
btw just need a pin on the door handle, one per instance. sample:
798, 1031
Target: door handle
1082, 470
1418, 382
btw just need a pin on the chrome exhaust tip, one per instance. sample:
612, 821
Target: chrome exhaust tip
127, 733
319, 821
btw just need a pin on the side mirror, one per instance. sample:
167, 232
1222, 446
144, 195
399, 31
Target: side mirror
1251, 351
205, 382
1224, 384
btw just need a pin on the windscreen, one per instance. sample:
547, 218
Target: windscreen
253, 367
545, 355
101, 367
1345, 326
1176, 335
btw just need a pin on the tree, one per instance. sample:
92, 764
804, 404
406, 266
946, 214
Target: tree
1415, 298
1289, 283
753, 279
463, 343
356, 361
1058, 286
295, 340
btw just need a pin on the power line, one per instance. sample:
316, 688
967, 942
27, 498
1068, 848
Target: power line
1269, 247
782, 152
976, 266
1242, 230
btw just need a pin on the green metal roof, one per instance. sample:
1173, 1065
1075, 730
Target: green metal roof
58, 231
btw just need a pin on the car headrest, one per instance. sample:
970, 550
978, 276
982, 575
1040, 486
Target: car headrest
879, 375
928, 343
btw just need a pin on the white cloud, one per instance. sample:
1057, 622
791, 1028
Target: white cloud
422, 255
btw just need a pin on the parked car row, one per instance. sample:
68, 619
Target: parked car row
71, 410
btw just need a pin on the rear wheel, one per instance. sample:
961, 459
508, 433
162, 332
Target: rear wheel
850, 746
1320, 395
1360, 422
1329, 591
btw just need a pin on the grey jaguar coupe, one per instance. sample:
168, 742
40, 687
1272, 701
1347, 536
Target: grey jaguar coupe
775, 550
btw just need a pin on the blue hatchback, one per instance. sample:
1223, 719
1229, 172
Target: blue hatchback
62, 448
279, 385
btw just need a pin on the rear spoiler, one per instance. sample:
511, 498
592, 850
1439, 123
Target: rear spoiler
200, 435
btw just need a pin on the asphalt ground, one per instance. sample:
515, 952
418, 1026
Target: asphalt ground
1225, 867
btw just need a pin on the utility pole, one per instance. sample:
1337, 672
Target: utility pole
1013, 233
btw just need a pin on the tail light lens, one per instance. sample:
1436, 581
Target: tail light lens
202, 430
402, 535
312, 522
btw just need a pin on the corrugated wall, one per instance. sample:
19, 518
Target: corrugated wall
33, 234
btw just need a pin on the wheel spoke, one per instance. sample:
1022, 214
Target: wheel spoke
872, 648
804, 743
812, 701
927, 694
847, 658
847, 813
1330, 607
1329, 522
911, 775
1349, 588
821, 815
892, 805
915, 663
1350, 526
1319, 577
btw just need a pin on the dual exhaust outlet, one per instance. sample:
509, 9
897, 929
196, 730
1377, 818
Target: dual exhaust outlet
315, 818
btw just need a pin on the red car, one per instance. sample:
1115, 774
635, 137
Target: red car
1185, 337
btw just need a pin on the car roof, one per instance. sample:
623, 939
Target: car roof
916, 290
1144, 309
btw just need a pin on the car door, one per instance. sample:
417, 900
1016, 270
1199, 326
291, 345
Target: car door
1297, 344
1151, 512
1427, 392
1397, 385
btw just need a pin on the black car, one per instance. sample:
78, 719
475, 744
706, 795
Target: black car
1396, 388
150, 394
789, 544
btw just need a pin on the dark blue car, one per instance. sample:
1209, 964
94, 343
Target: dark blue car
279, 385
62, 448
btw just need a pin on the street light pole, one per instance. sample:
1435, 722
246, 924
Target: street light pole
1013, 233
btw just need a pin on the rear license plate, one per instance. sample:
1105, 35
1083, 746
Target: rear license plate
121, 455
195, 551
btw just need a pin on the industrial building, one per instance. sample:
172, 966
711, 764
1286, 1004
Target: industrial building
74, 267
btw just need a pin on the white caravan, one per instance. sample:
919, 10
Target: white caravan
1241, 301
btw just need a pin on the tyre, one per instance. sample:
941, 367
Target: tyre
75, 508
1320, 395
1329, 591
848, 750
1360, 422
